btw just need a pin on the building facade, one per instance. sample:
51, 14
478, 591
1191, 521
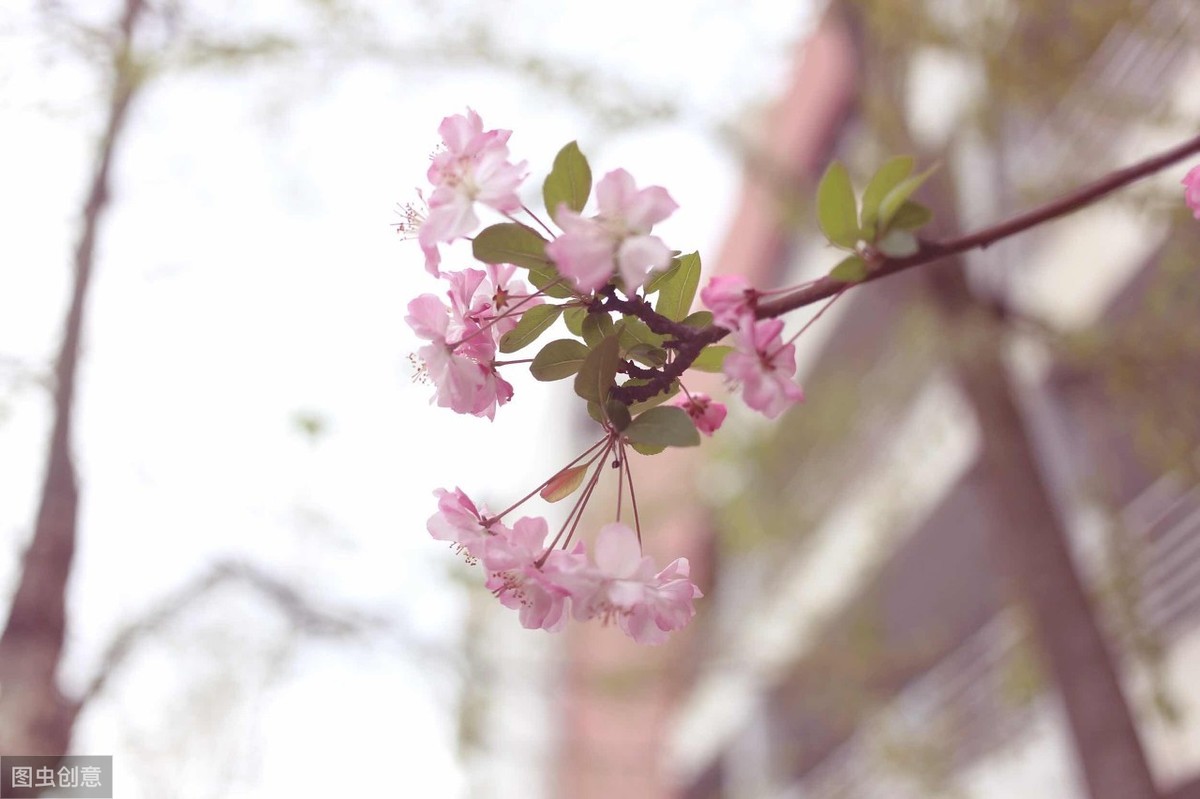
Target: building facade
865, 632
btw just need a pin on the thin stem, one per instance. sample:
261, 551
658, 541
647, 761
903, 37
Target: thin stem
620, 481
810, 322
784, 289
510, 363
637, 521
496, 319
581, 503
538, 219
488, 522
587, 496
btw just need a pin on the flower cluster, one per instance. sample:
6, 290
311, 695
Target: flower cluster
546, 586
625, 299
473, 167
463, 336
616, 239
761, 363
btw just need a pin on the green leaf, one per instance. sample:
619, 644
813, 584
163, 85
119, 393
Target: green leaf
511, 243
676, 293
564, 484
910, 216
884, 180
711, 358
636, 332
598, 370
646, 449
665, 426
560, 358
532, 324
889, 206
574, 318
699, 319
596, 327
837, 210
618, 414
647, 355
656, 400
850, 269
898, 244
569, 181
547, 279
658, 278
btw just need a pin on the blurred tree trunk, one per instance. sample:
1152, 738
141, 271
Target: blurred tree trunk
1035, 547
1033, 543
35, 718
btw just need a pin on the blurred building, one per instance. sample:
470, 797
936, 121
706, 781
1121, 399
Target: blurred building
861, 636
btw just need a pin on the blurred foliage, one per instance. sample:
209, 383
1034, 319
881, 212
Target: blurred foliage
1043, 76
312, 425
177, 36
1147, 363
794, 476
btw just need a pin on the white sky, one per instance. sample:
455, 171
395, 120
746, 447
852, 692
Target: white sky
248, 271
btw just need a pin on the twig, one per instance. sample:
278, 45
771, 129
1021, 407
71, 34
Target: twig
690, 341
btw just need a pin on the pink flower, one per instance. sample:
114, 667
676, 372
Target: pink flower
473, 167
458, 359
624, 586
706, 414
667, 606
414, 216
479, 298
730, 299
617, 239
764, 367
519, 582
459, 521
1191, 193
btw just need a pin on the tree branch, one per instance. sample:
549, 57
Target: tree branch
931, 251
35, 716
691, 340
301, 613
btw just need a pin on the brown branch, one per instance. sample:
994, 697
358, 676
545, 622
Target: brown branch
931, 251
638, 307
35, 716
691, 341
303, 615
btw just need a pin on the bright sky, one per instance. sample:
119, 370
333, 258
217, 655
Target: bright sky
247, 272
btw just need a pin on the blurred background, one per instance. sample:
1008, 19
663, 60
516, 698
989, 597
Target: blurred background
967, 566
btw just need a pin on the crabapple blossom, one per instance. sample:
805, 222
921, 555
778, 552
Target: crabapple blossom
704, 413
731, 300
623, 585
1191, 193
666, 606
519, 581
617, 239
458, 358
473, 167
460, 521
481, 298
764, 367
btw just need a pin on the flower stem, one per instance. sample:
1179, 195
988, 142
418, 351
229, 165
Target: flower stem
488, 522
538, 219
637, 521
